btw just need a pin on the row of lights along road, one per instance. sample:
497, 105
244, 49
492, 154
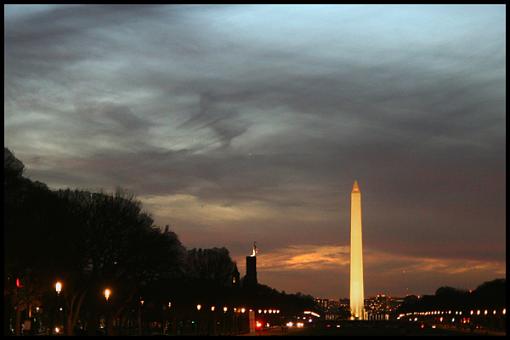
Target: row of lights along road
242, 310
471, 312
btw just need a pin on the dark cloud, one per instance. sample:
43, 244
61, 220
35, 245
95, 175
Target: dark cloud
236, 120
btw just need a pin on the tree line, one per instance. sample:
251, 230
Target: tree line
91, 241
489, 295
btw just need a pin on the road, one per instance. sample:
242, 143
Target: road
361, 329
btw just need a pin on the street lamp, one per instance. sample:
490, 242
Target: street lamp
225, 309
107, 292
58, 287
199, 307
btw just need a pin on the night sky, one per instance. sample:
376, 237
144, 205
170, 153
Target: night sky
236, 124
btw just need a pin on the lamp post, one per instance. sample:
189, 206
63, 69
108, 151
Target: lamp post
168, 322
213, 328
140, 316
107, 293
199, 323
58, 289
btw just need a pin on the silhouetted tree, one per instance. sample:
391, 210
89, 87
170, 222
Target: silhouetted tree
213, 265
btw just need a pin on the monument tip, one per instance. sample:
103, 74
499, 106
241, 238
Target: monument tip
355, 187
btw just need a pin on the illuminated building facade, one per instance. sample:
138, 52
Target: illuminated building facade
356, 283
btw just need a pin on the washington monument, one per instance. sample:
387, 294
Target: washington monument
356, 289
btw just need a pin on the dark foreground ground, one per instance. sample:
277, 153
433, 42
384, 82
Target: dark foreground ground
385, 329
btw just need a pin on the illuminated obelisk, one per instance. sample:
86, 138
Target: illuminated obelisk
356, 291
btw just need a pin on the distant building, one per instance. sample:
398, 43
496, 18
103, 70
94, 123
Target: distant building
332, 309
382, 307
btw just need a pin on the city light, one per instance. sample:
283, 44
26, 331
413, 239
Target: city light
478, 312
504, 311
258, 324
107, 292
169, 304
142, 302
58, 287
243, 310
225, 309
213, 308
471, 312
260, 311
312, 313
289, 324
485, 312
265, 311
199, 307
57, 330
300, 325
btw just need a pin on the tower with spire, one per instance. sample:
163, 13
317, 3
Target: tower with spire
250, 280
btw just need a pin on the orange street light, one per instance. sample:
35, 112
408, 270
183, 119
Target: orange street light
107, 292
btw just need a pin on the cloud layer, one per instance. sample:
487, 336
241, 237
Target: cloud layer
243, 123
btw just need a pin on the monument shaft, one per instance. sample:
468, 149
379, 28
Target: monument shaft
356, 287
